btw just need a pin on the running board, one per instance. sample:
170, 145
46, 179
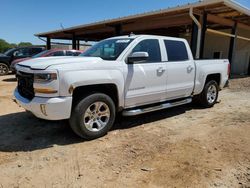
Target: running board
134, 112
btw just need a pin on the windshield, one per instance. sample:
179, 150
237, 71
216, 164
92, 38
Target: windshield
40, 54
9, 52
108, 49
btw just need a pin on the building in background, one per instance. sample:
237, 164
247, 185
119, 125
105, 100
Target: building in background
214, 29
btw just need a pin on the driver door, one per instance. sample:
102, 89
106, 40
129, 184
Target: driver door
146, 81
21, 53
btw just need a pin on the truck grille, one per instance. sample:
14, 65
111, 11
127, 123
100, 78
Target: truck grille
25, 85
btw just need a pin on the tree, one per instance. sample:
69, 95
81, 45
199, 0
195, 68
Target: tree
24, 44
5, 45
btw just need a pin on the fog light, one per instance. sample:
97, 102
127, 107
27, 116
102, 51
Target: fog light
43, 109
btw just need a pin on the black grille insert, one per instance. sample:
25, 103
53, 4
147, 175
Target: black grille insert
25, 85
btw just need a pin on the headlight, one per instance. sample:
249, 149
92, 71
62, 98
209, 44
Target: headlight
45, 77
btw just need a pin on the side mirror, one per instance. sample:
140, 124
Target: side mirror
137, 57
15, 53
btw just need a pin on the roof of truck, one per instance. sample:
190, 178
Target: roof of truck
133, 36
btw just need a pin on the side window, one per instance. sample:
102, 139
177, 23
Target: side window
22, 52
35, 51
77, 53
58, 53
176, 50
69, 53
152, 47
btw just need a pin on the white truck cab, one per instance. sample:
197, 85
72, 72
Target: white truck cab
130, 74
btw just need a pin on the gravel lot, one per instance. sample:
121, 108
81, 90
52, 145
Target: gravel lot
185, 146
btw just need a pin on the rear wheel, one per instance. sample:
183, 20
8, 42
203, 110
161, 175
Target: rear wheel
209, 95
4, 69
93, 116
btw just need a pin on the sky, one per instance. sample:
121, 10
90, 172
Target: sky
21, 19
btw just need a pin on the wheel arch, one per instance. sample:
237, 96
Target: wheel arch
5, 62
216, 77
109, 89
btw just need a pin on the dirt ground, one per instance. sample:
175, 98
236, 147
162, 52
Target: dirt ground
185, 146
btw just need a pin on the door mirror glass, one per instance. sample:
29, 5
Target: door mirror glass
15, 54
137, 57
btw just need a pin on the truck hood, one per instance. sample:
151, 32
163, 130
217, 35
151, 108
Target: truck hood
45, 62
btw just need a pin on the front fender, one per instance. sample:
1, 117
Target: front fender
5, 60
91, 77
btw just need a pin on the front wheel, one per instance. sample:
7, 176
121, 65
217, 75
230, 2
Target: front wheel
93, 116
4, 69
209, 95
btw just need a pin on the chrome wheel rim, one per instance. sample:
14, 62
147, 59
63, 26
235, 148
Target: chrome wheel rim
211, 94
3, 69
96, 117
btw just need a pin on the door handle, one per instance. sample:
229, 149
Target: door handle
160, 70
189, 69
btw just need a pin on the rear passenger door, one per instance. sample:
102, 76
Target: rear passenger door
180, 70
146, 81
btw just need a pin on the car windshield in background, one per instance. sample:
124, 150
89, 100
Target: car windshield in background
8, 52
40, 54
108, 49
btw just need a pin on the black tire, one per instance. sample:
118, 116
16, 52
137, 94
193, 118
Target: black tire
203, 98
4, 69
77, 119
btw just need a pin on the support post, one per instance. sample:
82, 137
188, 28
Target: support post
73, 42
194, 38
118, 30
233, 41
78, 44
203, 34
196, 33
48, 43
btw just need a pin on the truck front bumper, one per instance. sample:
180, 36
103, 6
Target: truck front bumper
56, 108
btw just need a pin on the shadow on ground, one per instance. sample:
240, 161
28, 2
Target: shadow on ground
23, 132
10, 80
232, 77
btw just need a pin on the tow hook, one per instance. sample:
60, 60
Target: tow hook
15, 101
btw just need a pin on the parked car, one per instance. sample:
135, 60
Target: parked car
16, 53
128, 74
47, 53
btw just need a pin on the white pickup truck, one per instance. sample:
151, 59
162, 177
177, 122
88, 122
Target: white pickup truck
129, 74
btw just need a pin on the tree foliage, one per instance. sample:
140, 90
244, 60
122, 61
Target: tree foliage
5, 45
24, 44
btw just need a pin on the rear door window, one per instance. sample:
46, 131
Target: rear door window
176, 50
57, 53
